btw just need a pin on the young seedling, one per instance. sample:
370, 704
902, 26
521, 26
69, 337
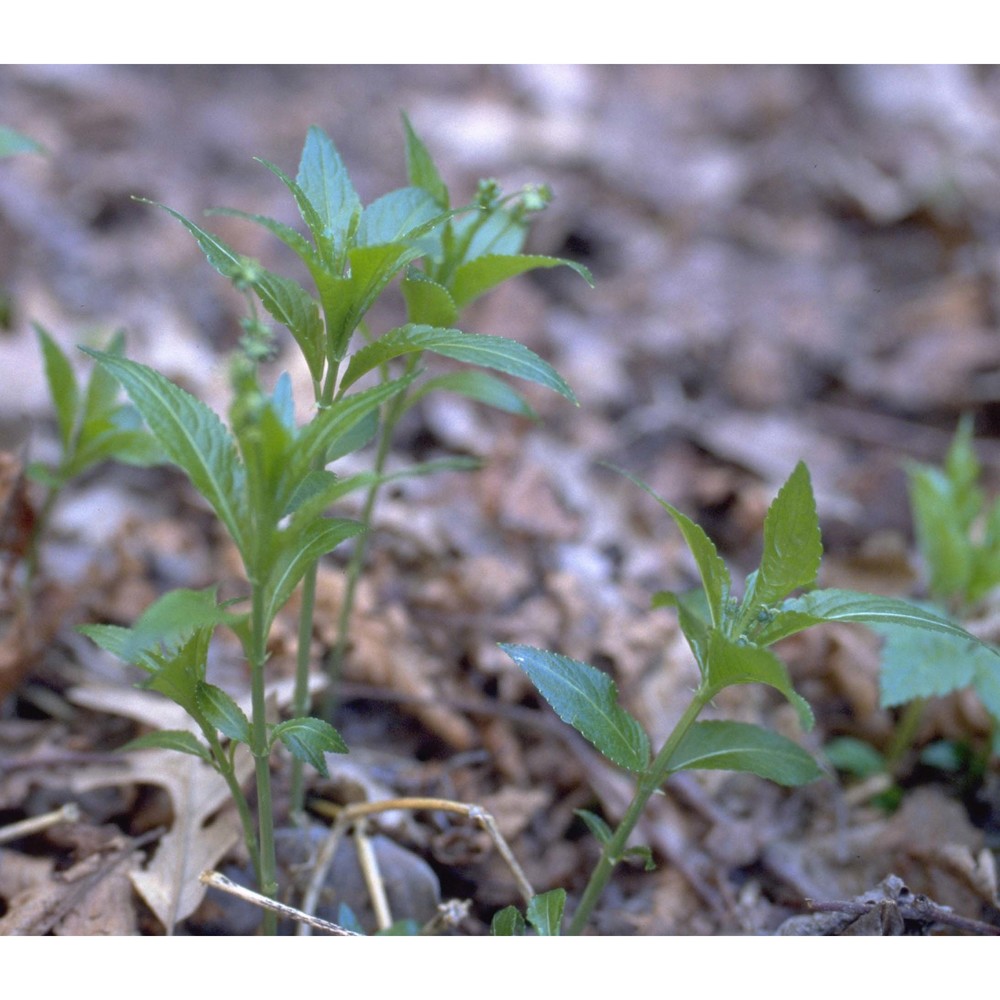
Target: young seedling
446, 257
729, 637
958, 536
94, 426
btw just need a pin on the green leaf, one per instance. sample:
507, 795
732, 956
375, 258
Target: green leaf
347, 299
220, 255
480, 387
420, 167
428, 302
324, 180
500, 353
714, 574
477, 276
12, 142
739, 746
596, 825
327, 256
355, 439
942, 534
170, 739
119, 642
299, 548
283, 298
694, 617
348, 920
407, 927
331, 425
644, 853
545, 912
507, 922
165, 624
222, 712
308, 740
396, 215
852, 606
916, 663
131, 446
292, 238
180, 673
63, 389
587, 699
499, 233
986, 682
731, 663
191, 435
854, 756
792, 546
292, 306
318, 483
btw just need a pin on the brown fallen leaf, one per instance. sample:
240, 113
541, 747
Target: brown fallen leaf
93, 897
202, 831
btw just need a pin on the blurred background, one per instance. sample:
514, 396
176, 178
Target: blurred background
789, 260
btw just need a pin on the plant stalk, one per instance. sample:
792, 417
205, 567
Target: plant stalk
905, 734
259, 748
335, 662
649, 782
300, 697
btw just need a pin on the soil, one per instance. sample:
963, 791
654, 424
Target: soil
790, 263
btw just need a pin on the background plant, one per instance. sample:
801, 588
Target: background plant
729, 637
94, 425
958, 536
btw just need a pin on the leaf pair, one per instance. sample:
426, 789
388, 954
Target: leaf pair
170, 643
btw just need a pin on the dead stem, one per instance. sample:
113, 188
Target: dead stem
219, 881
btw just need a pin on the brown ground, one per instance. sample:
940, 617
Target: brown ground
790, 263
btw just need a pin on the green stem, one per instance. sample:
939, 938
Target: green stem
259, 747
33, 557
335, 662
650, 781
300, 697
225, 767
905, 734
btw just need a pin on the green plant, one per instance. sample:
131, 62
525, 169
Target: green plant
446, 257
958, 536
728, 636
267, 478
94, 426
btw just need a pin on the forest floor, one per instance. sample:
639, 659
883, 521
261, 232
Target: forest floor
790, 263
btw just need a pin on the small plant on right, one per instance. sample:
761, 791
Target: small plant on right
729, 637
958, 536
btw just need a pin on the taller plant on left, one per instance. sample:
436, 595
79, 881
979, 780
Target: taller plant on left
264, 477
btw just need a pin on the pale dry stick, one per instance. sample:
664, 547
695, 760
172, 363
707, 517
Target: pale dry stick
219, 881
324, 858
68, 813
359, 810
373, 876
